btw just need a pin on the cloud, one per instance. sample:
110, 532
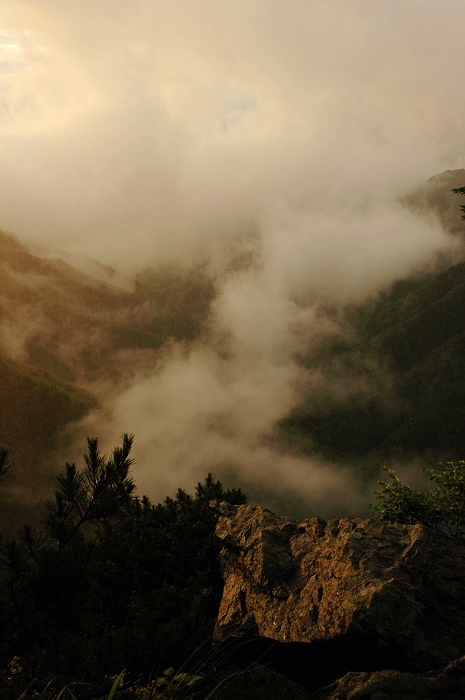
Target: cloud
269, 140
153, 130
201, 413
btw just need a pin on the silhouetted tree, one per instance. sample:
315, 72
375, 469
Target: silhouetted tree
91, 495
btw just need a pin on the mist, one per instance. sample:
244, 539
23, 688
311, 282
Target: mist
270, 143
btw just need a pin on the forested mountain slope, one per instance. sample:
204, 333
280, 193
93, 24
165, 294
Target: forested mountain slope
69, 327
402, 357
389, 383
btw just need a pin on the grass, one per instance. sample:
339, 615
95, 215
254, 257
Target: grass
213, 676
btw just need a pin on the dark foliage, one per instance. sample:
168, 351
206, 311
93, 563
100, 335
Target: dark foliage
110, 581
5, 463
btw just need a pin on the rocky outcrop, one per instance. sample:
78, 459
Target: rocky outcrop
366, 595
447, 684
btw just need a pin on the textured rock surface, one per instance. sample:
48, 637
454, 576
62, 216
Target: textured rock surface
393, 591
446, 684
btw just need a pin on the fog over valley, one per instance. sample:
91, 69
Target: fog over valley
229, 229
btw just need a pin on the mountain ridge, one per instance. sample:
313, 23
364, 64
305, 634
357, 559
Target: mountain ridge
65, 331
71, 325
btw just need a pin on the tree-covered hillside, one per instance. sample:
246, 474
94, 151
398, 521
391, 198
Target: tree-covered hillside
404, 360
73, 319
399, 359
390, 382
66, 328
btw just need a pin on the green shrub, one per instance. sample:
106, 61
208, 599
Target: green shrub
441, 509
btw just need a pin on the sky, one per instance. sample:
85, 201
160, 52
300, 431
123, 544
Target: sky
193, 131
160, 129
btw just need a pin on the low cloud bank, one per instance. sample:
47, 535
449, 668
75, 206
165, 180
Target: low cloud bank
268, 142
215, 405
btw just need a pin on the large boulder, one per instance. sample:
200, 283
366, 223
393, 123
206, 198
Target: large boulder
366, 594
